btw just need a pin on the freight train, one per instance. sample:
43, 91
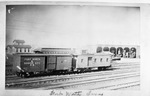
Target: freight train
25, 65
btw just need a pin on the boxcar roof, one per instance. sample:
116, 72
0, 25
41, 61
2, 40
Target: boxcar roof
44, 54
104, 53
101, 54
58, 48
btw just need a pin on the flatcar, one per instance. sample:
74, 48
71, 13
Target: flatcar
25, 65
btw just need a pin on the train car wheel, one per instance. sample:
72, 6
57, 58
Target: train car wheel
31, 74
23, 75
104, 68
78, 70
99, 68
18, 74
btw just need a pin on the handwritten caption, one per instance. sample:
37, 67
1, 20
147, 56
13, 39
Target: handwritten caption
75, 93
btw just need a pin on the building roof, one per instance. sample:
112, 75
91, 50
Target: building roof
56, 48
52, 49
25, 54
19, 41
19, 46
104, 53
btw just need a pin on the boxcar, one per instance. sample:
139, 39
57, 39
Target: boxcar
9, 64
59, 62
31, 64
28, 64
98, 60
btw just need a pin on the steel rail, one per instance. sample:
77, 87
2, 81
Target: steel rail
87, 81
59, 79
113, 66
24, 82
62, 76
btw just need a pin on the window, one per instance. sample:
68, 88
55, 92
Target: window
95, 60
107, 60
18, 49
89, 58
101, 59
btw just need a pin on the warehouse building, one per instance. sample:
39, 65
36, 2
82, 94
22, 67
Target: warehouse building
125, 51
18, 47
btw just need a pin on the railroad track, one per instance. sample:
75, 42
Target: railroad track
62, 76
126, 63
124, 66
39, 81
119, 86
126, 85
85, 82
113, 64
13, 77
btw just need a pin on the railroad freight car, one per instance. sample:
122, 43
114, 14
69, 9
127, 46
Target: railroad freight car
91, 61
9, 64
44, 64
58, 63
34, 64
28, 64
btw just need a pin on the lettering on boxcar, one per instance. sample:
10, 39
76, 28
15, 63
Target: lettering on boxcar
32, 61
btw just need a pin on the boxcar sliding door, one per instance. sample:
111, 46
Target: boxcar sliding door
64, 63
51, 62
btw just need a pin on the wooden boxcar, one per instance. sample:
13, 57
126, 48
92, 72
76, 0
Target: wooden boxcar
29, 64
98, 60
9, 64
59, 62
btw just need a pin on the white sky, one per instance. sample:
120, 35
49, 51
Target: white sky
72, 26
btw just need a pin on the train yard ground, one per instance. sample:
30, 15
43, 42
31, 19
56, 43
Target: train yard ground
123, 75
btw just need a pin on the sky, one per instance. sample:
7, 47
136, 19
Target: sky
72, 25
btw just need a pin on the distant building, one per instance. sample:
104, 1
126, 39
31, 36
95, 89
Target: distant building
54, 51
125, 51
18, 47
84, 51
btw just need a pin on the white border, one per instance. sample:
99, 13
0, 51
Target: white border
144, 34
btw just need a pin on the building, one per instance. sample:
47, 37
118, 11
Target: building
126, 51
18, 47
55, 51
